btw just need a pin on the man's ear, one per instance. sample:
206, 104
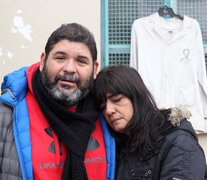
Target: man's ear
42, 61
95, 69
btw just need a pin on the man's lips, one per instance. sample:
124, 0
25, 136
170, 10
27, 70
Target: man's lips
68, 82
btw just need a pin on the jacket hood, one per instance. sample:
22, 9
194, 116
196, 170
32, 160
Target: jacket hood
178, 117
30, 73
178, 113
14, 86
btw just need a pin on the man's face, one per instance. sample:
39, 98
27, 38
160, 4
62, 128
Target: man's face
68, 72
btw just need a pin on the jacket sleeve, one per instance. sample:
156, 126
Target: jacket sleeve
184, 159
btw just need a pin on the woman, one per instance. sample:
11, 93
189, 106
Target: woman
151, 143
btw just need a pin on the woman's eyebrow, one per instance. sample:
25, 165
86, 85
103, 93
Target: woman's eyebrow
111, 95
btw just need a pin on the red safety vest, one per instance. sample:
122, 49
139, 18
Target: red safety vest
48, 153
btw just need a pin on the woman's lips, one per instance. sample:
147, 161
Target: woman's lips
115, 120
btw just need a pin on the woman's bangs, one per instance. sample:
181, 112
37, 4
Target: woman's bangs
104, 87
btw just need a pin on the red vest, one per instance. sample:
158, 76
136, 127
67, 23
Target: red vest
48, 153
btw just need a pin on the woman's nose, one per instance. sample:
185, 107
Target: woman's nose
110, 108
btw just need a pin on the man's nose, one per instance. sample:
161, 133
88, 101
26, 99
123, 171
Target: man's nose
70, 66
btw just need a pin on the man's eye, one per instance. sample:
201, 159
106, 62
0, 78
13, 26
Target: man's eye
59, 57
82, 61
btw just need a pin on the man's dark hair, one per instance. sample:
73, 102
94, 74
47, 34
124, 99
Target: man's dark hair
73, 32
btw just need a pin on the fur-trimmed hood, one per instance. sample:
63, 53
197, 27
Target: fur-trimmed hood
177, 114
179, 117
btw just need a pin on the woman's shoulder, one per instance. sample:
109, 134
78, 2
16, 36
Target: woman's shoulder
183, 136
181, 150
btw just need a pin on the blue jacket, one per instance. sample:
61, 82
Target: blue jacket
14, 88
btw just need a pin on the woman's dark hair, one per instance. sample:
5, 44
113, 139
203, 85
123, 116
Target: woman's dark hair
148, 125
73, 32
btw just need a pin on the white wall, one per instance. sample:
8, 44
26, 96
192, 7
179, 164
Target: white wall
203, 142
25, 26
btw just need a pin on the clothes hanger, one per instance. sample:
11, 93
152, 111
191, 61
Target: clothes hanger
163, 11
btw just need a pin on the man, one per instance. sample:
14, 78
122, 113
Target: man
49, 128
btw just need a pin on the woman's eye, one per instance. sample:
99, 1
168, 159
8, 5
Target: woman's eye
117, 99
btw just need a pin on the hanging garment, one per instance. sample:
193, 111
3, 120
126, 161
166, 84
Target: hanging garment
168, 54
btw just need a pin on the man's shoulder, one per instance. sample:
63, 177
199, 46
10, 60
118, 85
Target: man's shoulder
14, 84
5, 108
6, 112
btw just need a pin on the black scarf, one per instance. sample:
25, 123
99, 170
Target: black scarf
72, 128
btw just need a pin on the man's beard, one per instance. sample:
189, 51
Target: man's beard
64, 96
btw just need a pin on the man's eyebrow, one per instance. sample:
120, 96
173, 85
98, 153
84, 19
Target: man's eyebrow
59, 52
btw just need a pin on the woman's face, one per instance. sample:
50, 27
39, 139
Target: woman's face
118, 111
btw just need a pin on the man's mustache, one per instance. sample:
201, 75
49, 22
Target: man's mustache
67, 77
